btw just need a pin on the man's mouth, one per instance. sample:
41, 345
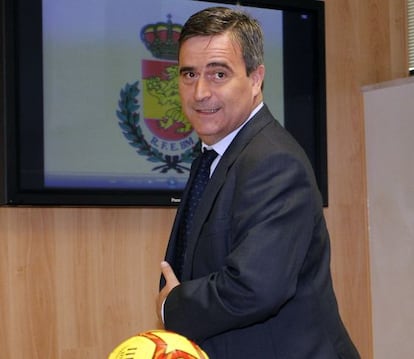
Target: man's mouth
207, 110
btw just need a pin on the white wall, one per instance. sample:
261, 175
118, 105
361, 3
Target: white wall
389, 131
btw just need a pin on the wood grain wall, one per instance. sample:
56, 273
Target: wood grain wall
74, 282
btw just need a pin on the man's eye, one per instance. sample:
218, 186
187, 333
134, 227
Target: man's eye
220, 75
188, 76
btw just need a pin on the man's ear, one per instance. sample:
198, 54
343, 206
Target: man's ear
257, 77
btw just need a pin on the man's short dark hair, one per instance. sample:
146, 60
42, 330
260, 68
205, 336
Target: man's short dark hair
244, 30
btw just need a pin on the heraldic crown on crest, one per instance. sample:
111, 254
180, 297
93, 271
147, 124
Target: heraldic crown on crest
161, 39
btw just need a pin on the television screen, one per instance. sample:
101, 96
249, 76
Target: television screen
90, 108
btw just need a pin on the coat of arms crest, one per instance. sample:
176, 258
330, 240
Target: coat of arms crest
164, 135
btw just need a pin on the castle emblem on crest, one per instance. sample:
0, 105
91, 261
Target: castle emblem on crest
158, 129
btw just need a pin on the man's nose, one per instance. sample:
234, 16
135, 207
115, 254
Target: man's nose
202, 89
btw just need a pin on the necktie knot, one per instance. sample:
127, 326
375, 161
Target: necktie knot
207, 158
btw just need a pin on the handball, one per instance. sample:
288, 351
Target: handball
158, 344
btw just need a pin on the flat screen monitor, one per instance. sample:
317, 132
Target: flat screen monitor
90, 111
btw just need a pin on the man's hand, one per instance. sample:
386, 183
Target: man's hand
171, 282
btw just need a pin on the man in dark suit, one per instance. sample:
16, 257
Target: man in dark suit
255, 281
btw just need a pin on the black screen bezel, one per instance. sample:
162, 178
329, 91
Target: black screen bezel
22, 105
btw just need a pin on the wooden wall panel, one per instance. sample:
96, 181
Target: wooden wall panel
74, 282
364, 45
77, 281
346, 214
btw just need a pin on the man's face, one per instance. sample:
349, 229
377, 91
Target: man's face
217, 95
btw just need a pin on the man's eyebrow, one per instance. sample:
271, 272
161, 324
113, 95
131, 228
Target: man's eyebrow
184, 69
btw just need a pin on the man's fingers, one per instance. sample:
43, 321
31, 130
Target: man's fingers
171, 282
169, 274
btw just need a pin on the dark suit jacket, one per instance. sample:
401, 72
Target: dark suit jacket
256, 280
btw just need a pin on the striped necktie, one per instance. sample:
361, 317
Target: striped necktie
194, 195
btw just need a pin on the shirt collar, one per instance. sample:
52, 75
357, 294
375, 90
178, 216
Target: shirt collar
221, 146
